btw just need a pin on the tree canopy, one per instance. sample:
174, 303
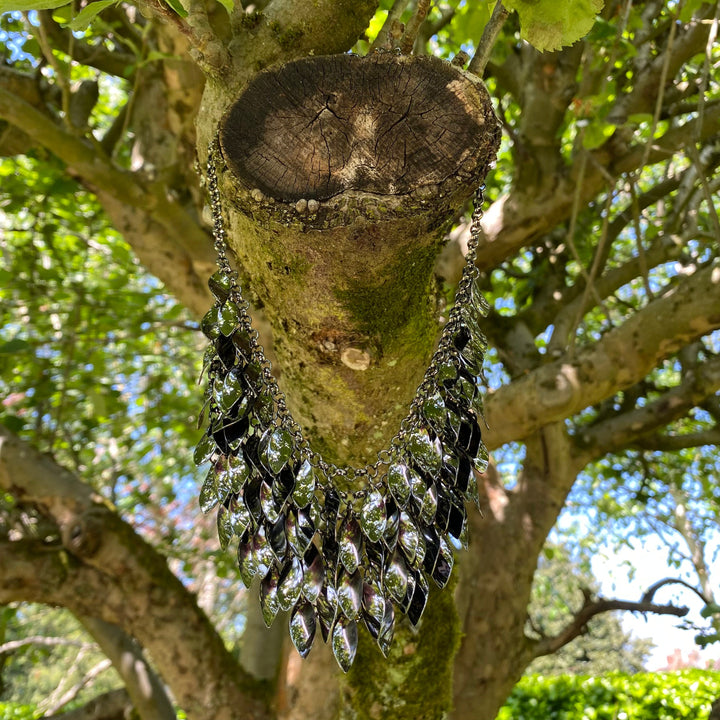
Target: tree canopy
598, 257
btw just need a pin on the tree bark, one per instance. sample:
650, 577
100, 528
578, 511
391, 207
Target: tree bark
100, 567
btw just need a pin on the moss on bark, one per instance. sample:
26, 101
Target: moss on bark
415, 681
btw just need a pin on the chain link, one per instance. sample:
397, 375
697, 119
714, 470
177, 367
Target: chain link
282, 416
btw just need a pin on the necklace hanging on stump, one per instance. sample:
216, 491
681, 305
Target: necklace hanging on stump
335, 546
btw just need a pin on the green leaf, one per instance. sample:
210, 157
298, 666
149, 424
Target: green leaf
229, 5
177, 7
88, 14
596, 133
710, 609
13, 423
14, 346
550, 25
27, 5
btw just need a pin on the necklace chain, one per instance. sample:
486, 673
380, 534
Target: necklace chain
283, 416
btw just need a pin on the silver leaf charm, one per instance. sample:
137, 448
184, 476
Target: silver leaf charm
398, 481
290, 583
269, 603
302, 628
276, 448
396, 577
344, 642
349, 545
224, 525
304, 485
349, 594
373, 517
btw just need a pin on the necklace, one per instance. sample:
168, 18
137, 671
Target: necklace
337, 558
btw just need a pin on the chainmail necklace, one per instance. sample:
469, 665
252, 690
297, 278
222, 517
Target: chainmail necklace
336, 558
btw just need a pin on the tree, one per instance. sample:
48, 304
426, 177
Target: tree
598, 252
562, 584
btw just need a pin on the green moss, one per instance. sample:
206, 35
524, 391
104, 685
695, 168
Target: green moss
250, 20
286, 38
396, 309
415, 681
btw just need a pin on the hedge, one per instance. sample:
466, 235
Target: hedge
615, 696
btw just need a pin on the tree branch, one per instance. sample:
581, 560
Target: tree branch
15, 645
144, 687
649, 594
630, 428
112, 62
382, 40
669, 443
56, 703
517, 219
104, 569
112, 705
622, 357
490, 35
690, 41
167, 240
591, 608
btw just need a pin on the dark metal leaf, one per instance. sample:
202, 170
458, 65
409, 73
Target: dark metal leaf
264, 408
210, 322
433, 410
290, 583
432, 548
479, 303
283, 485
373, 607
304, 485
426, 452
349, 544
396, 577
390, 534
372, 516
251, 496
446, 373
229, 392
267, 501
238, 471
241, 338
326, 611
387, 629
276, 448
408, 538
269, 603
443, 565
247, 562
302, 628
263, 552
398, 482
480, 463
472, 493
208, 497
277, 539
228, 318
419, 599
220, 285
204, 450
300, 530
344, 642
239, 516
224, 526
313, 574
349, 594
429, 505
